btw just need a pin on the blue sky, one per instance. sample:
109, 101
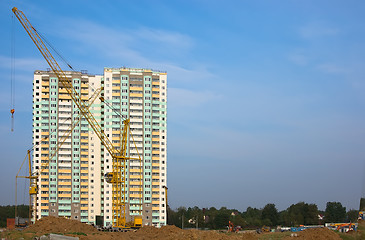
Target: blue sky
265, 98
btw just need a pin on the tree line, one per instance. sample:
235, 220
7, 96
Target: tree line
297, 214
212, 218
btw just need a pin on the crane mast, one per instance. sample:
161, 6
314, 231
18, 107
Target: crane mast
119, 160
33, 176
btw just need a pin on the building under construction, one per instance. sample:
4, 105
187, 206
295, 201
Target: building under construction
74, 184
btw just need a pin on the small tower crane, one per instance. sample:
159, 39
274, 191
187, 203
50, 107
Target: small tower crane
34, 176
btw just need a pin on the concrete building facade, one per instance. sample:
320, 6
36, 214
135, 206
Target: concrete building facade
73, 184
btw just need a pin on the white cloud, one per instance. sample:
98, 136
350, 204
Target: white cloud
317, 30
142, 47
22, 64
166, 38
298, 59
184, 75
128, 45
332, 68
187, 98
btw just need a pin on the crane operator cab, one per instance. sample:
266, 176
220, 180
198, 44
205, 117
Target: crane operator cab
33, 190
109, 177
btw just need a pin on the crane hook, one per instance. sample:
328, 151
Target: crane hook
12, 119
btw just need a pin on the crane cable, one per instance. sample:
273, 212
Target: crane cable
63, 59
54, 49
12, 73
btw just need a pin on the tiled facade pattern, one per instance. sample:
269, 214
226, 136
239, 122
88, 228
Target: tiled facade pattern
73, 184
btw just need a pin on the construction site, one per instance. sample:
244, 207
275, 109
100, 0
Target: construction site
111, 174
61, 228
97, 167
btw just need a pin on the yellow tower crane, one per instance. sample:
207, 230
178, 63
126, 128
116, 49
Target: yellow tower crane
119, 160
35, 174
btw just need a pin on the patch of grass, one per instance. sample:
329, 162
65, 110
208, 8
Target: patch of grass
17, 235
345, 236
78, 233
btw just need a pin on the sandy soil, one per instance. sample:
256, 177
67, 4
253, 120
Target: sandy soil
317, 234
84, 231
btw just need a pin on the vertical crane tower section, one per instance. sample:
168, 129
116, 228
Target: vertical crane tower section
119, 160
33, 176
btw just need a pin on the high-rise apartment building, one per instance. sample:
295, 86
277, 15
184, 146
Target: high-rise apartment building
73, 185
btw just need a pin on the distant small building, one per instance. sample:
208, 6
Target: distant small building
10, 223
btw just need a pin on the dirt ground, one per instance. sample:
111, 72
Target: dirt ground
60, 225
316, 234
83, 231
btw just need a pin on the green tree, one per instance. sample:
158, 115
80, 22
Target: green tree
270, 215
172, 217
211, 214
181, 217
311, 214
238, 220
301, 213
335, 212
222, 218
352, 215
9, 212
252, 217
295, 214
284, 218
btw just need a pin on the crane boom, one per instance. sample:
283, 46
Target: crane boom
62, 77
119, 160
